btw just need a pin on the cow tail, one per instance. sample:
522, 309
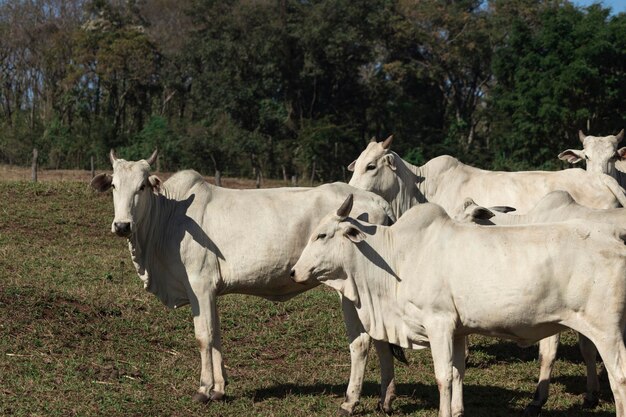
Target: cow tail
615, 188
398, 353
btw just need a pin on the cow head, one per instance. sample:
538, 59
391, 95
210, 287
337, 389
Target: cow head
132, 184
324, 256
470, 212
375, 169
600, 153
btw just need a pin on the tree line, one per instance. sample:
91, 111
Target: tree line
297, 87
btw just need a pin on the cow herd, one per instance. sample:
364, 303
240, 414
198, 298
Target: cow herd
421, 257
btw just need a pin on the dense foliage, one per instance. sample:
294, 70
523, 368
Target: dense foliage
292, 87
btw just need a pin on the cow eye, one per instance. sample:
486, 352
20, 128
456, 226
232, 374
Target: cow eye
371, 167
321, 236
113, 186
142, 187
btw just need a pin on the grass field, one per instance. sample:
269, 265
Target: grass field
80, 337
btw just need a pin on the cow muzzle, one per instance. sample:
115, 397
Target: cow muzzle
122, 229
298, 278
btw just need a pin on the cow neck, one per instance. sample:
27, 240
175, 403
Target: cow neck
410, 190
378, 288
143, 244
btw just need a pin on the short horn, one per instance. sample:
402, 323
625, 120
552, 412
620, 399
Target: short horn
387, 142
620, 136
153, 157
112, 156
581, 136
345, 208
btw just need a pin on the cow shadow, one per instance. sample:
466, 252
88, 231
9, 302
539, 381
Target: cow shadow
479, 400
505, 351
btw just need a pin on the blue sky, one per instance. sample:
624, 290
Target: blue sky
618, 6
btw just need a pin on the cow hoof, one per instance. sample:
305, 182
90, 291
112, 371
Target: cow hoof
201, 398
344, 412
591, 403
532, 410
347, 409
387, 409
217, 396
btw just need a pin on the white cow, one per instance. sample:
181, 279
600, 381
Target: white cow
430, 281
600, 154
556, 206
446, 181
191, 241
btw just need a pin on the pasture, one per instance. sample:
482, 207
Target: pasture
80, 337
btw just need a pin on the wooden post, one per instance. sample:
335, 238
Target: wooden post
218, 178
34, 167
93, 170
258, 178
285, 177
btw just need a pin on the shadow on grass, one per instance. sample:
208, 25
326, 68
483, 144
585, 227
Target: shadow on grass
504, 351
479, 400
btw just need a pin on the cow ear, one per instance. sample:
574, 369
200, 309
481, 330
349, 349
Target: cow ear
572, 156
101, 182
502, 209
390, 160
354, 234
155, 183
351, 166
482, 213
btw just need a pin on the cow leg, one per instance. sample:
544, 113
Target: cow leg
387, 383
547, 357
611, 348
588, 350
219, 372
359, 347
458, 373
441, 336
205, 321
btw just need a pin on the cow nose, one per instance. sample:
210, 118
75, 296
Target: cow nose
122, 229
292, 274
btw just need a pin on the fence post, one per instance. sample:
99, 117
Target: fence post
34, 166
258, 178
218, 177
